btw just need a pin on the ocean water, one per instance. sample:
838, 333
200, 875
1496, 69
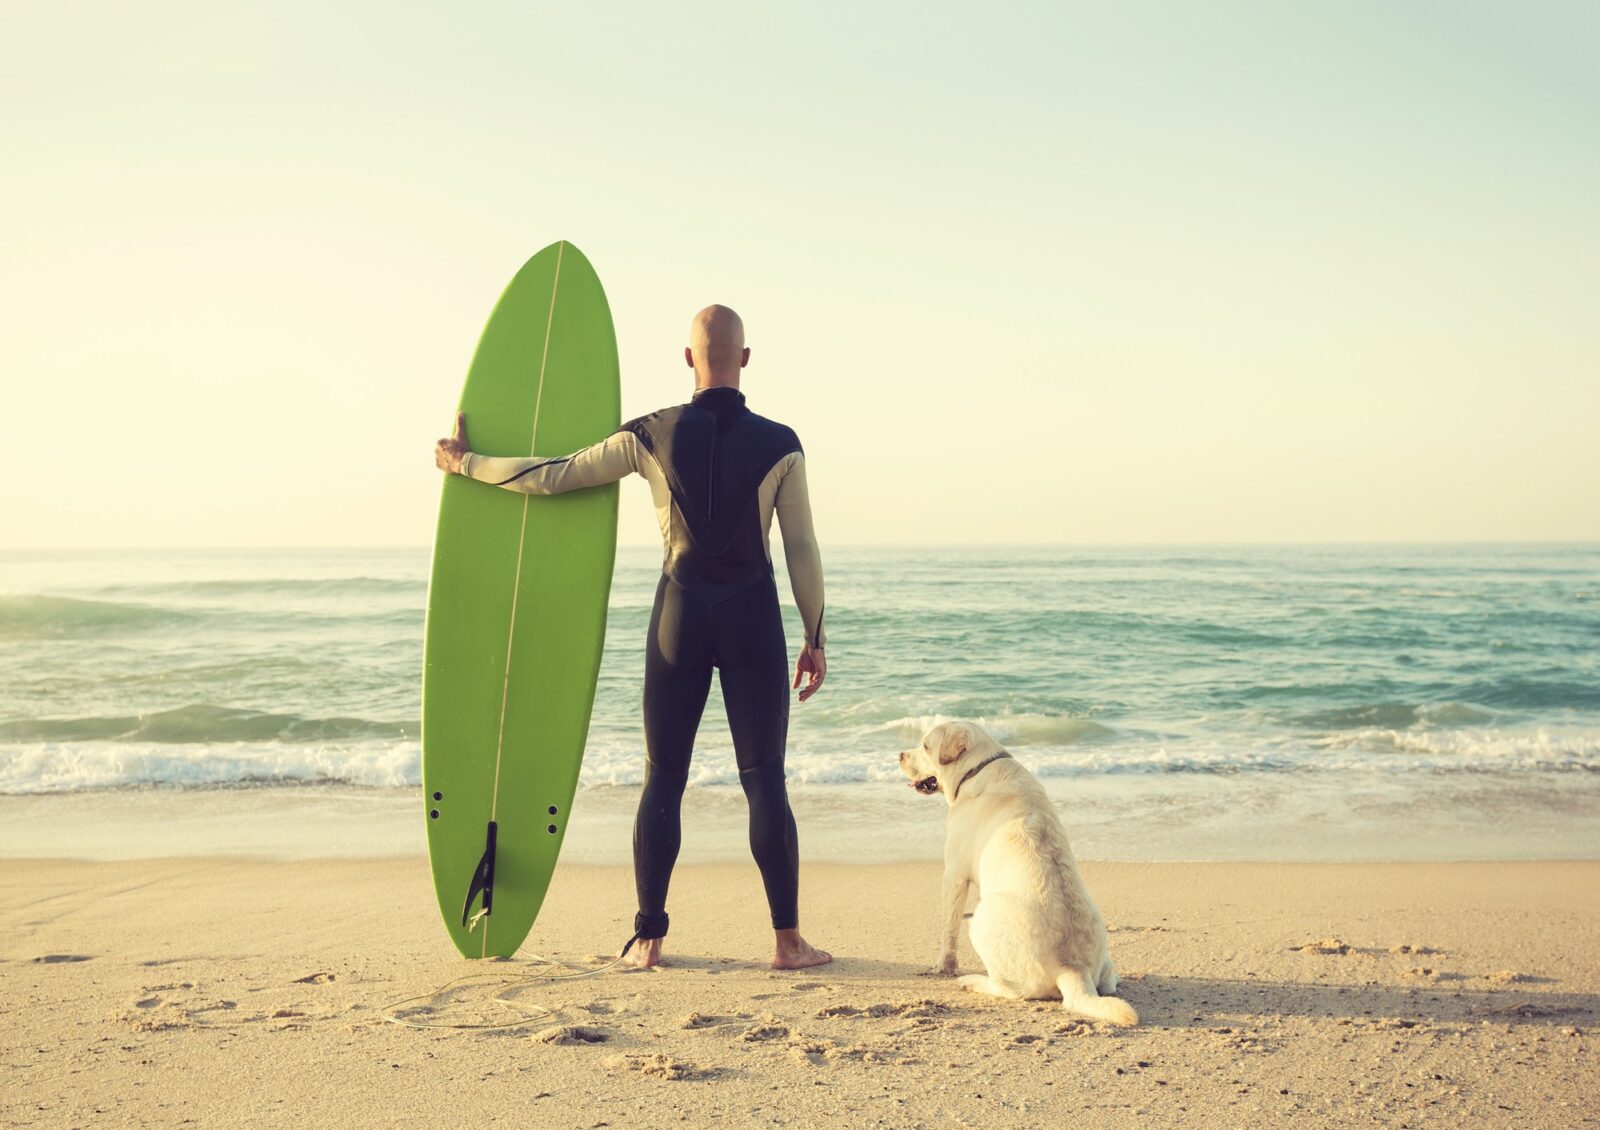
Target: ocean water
1220, 695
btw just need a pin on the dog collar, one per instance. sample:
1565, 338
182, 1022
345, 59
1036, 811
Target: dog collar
975, 770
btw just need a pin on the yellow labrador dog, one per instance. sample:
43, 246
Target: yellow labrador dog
1037, 930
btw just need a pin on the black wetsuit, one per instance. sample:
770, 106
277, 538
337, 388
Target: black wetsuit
718, 473
716, 606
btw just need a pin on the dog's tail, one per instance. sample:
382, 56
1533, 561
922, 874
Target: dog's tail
1078, 995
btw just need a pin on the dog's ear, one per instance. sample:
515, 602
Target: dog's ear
953, 746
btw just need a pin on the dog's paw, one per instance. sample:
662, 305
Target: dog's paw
945, 968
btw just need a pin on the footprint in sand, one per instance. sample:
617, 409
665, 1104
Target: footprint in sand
918, 1026
661, 1067
1534, 1011
1398, 1024
1325, 946
566, 1034
834, 1011
1082, 1028
165, 1019
153, 1013
865, 1053
907, 1009
765, 1031
817, 1051
61, 958
1242, 1041
699, 1021
162, 1008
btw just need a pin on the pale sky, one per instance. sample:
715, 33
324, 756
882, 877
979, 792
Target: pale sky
1015, 272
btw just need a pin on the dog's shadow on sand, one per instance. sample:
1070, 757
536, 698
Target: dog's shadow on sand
1185, 1002
1166, 1001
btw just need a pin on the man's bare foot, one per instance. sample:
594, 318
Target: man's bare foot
794, 952
645, 954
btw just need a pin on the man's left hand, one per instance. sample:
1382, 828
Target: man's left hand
447, 453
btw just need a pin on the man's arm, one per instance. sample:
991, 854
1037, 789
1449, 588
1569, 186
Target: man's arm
792, 504
603, 462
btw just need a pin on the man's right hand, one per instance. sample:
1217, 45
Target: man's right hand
812, 665
447, 453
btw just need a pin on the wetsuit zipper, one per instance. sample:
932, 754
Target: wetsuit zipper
711, 479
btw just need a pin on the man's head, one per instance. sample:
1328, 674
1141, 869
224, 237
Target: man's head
716, 349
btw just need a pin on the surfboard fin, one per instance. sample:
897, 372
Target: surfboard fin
482, 880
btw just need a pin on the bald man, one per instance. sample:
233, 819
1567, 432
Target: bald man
718, 473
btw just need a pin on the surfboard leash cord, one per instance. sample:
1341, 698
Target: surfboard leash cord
391, 1012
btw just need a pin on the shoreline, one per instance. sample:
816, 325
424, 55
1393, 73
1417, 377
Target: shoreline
1265, 818
1454, 994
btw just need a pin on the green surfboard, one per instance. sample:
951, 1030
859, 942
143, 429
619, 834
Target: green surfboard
517, 608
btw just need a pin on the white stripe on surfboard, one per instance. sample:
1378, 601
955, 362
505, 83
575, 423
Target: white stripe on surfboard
516, 587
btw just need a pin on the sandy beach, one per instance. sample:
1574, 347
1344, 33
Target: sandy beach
229, 991
520, 439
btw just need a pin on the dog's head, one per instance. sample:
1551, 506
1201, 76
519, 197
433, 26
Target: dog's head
937, 765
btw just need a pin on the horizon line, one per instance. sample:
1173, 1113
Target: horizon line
424, 546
